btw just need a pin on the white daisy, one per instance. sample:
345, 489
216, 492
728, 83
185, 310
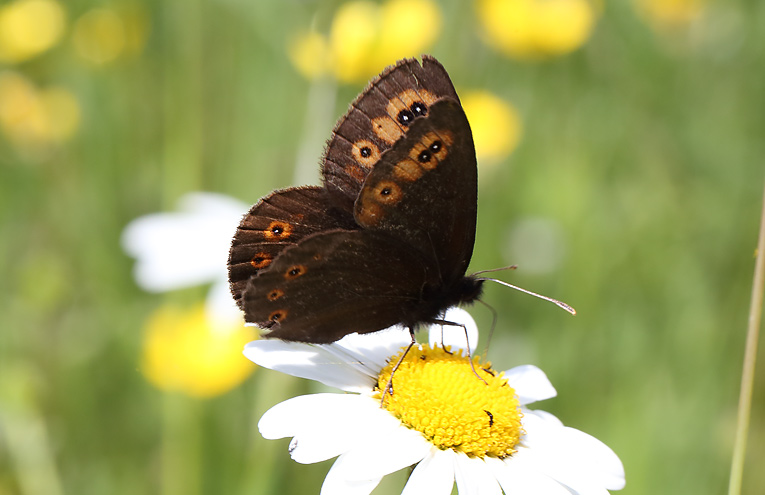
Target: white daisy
187, 247
441, 418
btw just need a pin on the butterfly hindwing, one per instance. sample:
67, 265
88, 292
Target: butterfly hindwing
277, 221
328, 286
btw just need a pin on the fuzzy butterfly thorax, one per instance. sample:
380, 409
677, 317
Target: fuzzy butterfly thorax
387, 238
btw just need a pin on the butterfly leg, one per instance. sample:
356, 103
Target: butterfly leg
493, 325
389, 386
443, 346
467, 342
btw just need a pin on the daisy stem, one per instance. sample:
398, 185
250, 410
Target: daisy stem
750, 358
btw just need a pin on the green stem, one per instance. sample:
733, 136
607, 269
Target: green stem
181, 446
319, 110
182, 97
750, 358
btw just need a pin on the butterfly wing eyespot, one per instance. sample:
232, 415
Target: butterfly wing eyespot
419, 109
406, 105
432, 149
405, 117
366, 153
261, 260
277, 316
424, 156
277, 230
294, 272
275, 294
388, 192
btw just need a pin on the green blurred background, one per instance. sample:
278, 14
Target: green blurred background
634, 195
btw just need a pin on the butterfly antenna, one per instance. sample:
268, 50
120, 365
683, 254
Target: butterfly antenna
560, 304
510, 267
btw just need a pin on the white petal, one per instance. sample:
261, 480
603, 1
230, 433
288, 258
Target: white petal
454, 336
542, 415
309, 361
186, 248
434, 475
530, 383
371, 350
384, 450
596, 458
541, 428
474, 477
517, 476
336, 483
570, 456
323, 425
558, 468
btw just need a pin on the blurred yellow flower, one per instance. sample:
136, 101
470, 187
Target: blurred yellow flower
99, 35
31, 117
185, 351
365, 37
29, 27
533, 29
309, 53
670, 13
495, 123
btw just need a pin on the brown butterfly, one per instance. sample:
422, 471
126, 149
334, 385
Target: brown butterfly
388, 237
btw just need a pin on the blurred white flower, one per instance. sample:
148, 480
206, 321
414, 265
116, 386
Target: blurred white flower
444, 420
187, 247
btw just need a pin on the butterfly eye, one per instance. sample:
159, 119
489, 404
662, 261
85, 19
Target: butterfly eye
405, 117
418, 109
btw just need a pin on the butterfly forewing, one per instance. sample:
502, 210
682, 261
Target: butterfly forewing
424, 190
279, 220
376, 120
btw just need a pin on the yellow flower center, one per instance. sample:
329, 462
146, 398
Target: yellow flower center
438, 394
